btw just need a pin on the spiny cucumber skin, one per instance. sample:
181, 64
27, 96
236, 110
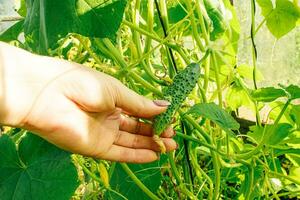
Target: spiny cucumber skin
183, 83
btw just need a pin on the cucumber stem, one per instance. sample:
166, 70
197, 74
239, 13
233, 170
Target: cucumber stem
139, 183
160, 143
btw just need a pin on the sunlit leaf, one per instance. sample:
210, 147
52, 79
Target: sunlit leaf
246, 71
216, 114
283, 18
12, 32
266, 6
294, 91
48, 21
267, 94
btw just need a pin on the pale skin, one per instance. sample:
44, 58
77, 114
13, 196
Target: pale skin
77, 108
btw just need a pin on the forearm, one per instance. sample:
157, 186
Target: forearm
23, 77
16, 68
2, 84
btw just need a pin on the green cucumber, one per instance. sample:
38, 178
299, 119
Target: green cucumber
183, 83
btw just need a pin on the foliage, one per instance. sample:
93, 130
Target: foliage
144, 44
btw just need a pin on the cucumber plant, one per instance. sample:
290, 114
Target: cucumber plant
147, 44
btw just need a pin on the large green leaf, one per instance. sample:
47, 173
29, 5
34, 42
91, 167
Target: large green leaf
216, 114
267, 94
294, 91
36, 170
281, 132
283, 18
49, 20
149, 174
266, 7
295, 114
12, 32
236, 97
246, 72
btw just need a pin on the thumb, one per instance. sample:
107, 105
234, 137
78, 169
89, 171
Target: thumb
136, 104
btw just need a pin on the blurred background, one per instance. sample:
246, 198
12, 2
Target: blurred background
278, 60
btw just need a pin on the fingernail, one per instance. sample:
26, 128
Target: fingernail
162, 103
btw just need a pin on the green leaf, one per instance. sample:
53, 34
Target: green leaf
149, 174
237, 97
282, 131
267, 94
294, 91
266, 7
283, 18
12, 32
22, 10
217, 19
216, 114
49, 20
36, 170
176, 13
246, 72
295, 114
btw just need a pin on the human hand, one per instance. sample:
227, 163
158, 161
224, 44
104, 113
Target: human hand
77, 108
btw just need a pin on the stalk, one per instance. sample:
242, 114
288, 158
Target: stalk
213, 154
200, 172
217, 76
205, 33
252, 33
194, 26
267, 136
137, 42
150, 16
163, 17
138, 182
254, 56
96, 178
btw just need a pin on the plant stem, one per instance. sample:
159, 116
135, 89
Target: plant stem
217, 76
206, 74
96, 178
202, 24
200, 172
114, 52
266, 136
194, 26
163, 17
10, 18
138, 182
150, 24
147, 85
137, 41
213, 154
252, 34
193, 139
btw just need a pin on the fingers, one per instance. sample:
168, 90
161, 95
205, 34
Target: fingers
125, 154
129, 140
138, 105
136, 127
